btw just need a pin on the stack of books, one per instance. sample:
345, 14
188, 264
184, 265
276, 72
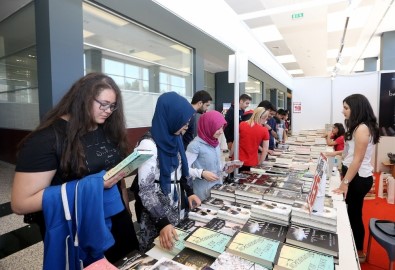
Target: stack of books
266, 229
223, 226
282, 195
224, 192
202, 214
271, 211
193, 259
190, 225
234, 213
314, 239
214, 203
246, 194
178, 245
325, 220
207, 241
294, 258
254, 248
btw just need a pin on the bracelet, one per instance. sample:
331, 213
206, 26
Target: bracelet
201, 175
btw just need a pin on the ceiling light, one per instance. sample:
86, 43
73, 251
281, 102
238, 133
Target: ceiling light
148, 56
283, 59
267, 33
180, 48
295, 71
105, 15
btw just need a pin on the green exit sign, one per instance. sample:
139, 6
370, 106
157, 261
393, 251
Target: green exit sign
297, 15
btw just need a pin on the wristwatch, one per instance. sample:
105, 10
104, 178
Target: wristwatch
346, 181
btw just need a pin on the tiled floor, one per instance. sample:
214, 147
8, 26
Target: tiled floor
16, 235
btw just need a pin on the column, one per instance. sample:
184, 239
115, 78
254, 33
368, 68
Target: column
387, 51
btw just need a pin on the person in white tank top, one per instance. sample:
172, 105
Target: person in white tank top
361, 136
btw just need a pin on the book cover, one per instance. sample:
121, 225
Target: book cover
266, 229
223, 226
168, 264
282, 196
135, 260
207, 241
202, 214
234, 213
178, 244
268, 206
193, 259
214, 203
314, 239
224, 190
189, 225
295, 187
227, 261
256, 192
129, 164
254, 248
291, 257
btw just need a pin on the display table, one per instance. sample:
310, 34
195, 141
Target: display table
348, 258
391, 165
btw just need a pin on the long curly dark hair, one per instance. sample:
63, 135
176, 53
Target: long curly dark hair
361, 113
77, 104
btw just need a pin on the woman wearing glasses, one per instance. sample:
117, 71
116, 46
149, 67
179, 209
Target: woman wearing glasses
82, 135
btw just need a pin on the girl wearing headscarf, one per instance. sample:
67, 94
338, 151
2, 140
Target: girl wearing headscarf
165, 186
204, 153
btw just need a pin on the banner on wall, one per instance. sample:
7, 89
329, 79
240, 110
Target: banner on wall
387, 104
297, 107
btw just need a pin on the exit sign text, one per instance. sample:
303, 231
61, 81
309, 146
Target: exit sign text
297, 15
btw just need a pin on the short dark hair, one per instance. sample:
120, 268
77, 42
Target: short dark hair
245, 97
267, 105
202, 96
281, 112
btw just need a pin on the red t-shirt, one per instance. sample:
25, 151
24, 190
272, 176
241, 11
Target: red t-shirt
339, 143
249, 141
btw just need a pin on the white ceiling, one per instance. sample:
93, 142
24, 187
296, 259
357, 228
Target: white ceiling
310, 45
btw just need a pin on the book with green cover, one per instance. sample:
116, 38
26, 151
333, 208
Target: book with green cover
294, 258
178, 245
207, 241
254, 248
129, 164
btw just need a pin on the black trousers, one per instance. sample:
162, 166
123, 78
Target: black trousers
357, 189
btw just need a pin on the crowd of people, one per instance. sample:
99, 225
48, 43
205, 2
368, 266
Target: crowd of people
85, 135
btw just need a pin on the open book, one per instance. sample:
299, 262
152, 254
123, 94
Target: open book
129, 164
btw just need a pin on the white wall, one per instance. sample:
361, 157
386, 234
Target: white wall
322, 103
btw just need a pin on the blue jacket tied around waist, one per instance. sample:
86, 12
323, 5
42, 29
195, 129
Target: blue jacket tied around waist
77, 217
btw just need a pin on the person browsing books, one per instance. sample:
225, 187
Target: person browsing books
204, 154
253, 137
82, 135
335, 138
361, 136
165, 188
201, 101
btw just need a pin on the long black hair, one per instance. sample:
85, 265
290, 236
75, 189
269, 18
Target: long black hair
361, 112
340, 130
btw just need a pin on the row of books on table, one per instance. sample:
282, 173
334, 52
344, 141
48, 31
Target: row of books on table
224, 244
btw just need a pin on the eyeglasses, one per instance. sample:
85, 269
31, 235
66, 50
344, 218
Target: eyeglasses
105, 106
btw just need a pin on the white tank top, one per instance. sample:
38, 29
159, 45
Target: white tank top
366, 168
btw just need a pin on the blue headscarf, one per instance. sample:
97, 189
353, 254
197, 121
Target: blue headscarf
172, 112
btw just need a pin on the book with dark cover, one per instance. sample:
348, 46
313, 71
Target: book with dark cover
135, 260
214, 203
271, 208
234, 213
255, 192
227, 190
202, 214
207, 241
255, 248
282, 196
294, 258
314, 239
193, 259
223, 226
189, 225
129, 164
266, 229
295, 187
